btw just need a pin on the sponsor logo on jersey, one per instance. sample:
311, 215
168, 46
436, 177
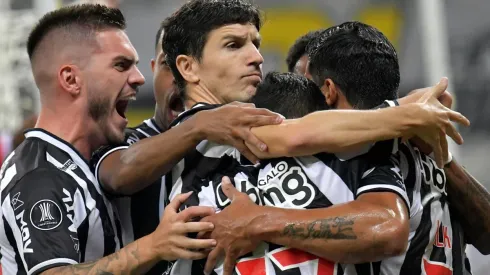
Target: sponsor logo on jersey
283, 186
69, 165
16, 202
46, 215
24, 230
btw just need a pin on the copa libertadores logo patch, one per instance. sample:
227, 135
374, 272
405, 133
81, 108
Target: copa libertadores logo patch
46, 215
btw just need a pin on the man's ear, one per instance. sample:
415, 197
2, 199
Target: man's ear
187, 67
330, 92
70, 79
152, 65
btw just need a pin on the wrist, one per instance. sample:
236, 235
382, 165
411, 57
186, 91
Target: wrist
406, 119
196, 129
264, 223
149, 243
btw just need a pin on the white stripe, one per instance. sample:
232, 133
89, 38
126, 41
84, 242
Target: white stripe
397, 189
391, 103
151, 125
143, 132
74, 156
102, 159
51, 262
8, 263
90, 202
10, 217
5, 163
332, 186
396, 140
9, 175
163, 196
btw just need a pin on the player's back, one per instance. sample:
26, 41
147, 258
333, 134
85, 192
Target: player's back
437, 244
49, 196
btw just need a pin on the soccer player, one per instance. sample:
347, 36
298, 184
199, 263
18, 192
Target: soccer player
124, 170
297, 57
54, 217
200, 40
438, 242
140, 213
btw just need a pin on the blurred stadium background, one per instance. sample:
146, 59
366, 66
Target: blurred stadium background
434, 38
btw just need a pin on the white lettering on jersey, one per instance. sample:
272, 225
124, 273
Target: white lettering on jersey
26, 236
282, 186
69, 209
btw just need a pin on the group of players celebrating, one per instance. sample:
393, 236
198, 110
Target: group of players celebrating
322, 170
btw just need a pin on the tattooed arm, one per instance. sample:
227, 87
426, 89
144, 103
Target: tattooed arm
136, 258
168, 242
470, 201
371, 228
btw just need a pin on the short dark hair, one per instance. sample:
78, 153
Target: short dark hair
186, 31
77, 20
289, 94
360, 60
298, 49
158, 37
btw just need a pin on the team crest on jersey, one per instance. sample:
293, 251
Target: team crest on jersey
46, 215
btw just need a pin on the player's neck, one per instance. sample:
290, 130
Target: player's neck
71, 128
198, 94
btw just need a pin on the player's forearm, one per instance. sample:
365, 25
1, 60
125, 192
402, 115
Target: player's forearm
470, 201
148, 160
136, 258
336, 131
350, 233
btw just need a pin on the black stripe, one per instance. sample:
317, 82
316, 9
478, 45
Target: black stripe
145, 210
457, 247
363, 269
413, 259
410, 176
376, 268
11, 239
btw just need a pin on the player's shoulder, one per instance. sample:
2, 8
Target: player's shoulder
198, 107
147, 128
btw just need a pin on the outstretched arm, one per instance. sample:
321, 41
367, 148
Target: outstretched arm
337, 131
125, 170
470, 201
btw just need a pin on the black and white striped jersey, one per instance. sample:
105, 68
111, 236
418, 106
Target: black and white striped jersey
436, 244
298, 183
53, 213
140, 213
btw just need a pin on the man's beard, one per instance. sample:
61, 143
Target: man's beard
99, 110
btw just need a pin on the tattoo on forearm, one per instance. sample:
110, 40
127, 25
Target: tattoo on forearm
338, 228
125, 261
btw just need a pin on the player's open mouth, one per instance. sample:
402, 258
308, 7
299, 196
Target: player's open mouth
121, 107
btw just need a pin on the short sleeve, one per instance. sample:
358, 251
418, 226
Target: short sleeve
383, 176
41, 223
100, 154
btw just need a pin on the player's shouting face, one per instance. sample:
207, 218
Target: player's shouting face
112, 80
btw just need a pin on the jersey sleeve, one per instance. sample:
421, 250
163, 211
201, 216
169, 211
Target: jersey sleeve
43, 217
383, 176
100, 154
